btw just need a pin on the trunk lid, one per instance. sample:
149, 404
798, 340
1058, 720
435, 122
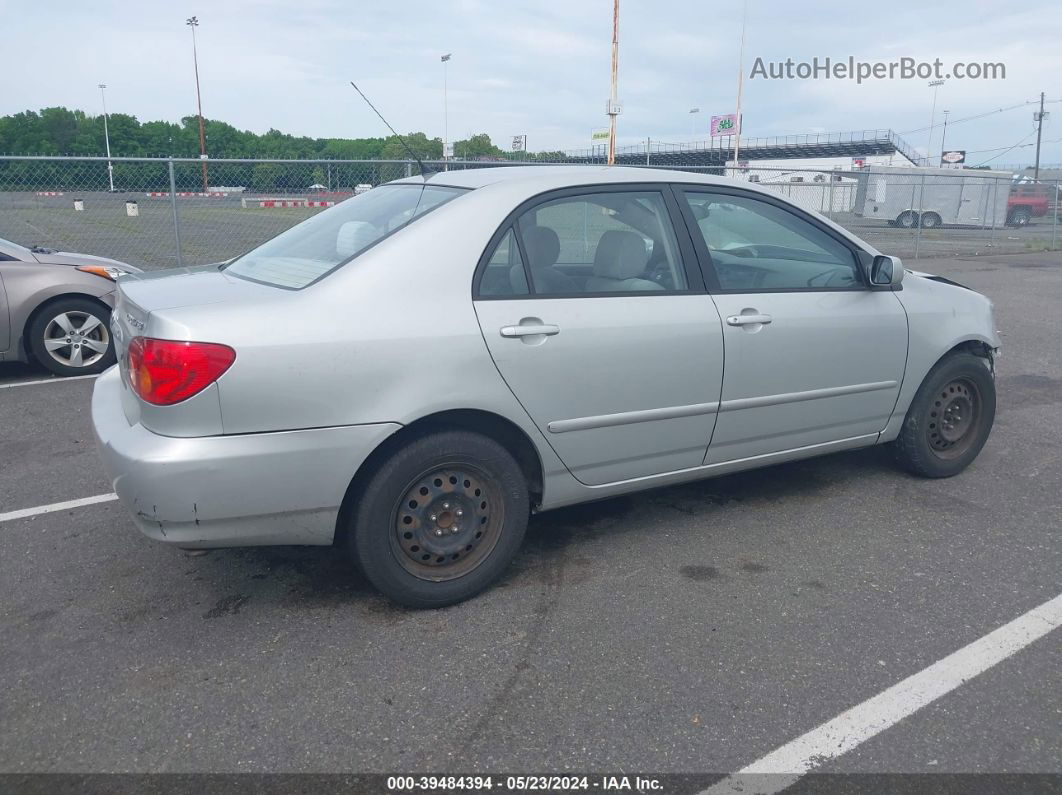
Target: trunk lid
150, 304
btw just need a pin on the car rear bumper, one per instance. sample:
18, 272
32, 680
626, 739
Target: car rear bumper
221, 491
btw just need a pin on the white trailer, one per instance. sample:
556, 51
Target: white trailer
933, 196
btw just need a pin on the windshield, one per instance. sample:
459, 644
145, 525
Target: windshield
319, 245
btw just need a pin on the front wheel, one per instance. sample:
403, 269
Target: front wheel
71, 337
949, 419
907, 220
1020, 217
440, 519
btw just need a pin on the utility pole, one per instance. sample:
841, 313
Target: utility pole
107, 139
613, 101
741, 81
446, 110
1039, 129
935, 85
193, 23
943, 135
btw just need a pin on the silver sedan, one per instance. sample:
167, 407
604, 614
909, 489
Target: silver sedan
55, 308
411, 373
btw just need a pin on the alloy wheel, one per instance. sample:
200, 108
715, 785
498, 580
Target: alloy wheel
76, 339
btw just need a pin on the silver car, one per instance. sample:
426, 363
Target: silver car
411, 373
55, 308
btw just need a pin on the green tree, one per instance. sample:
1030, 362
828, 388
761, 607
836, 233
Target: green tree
266, 177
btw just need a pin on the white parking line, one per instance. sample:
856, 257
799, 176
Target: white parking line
786, 765
56, 506
47, 381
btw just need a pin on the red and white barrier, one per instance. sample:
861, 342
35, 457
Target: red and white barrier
49, 193
284, 203
185, 195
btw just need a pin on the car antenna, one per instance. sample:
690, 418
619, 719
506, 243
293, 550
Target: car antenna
424, 170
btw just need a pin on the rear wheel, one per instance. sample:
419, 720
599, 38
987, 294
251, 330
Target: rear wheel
949, 419
907, 219
71, 337
440, 519
931, 221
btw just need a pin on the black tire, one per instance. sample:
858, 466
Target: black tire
418, 552
907, 219
45, 327
931, 221
1019, 217
949, 419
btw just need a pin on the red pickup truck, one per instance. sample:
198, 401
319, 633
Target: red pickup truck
1027, 200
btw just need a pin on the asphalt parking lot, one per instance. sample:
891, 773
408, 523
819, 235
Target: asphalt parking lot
689, 629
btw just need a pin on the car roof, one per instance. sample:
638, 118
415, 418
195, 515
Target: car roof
547, 177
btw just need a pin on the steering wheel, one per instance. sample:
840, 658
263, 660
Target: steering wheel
742, 251
830, 275
661, 274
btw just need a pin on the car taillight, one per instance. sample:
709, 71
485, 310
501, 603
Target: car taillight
164, 372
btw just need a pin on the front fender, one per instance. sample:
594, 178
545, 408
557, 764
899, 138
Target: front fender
941, 317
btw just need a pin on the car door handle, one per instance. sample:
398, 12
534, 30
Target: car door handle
748, 320
544, 329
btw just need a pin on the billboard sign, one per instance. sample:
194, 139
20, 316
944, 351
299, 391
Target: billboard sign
953, 158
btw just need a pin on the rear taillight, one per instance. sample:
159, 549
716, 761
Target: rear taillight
164, 372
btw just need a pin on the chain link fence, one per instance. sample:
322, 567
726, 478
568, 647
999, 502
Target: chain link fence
159, 213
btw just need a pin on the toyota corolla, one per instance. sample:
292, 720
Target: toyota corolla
408, 375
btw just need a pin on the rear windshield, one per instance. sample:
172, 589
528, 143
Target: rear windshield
319, 245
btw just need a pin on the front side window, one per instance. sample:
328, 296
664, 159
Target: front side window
317, 246
609, 242
757, 245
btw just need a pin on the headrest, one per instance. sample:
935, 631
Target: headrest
353, 236
543, 246
620, 255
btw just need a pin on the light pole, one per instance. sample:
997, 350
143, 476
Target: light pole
107, 138
193, 23
446, 109
935, 85
943, 135
613, 101
693, 121
741, 80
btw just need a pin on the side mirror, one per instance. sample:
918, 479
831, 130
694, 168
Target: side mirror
886, 271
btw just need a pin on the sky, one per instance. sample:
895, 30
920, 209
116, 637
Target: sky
540, 69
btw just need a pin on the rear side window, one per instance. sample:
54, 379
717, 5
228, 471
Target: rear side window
504, 274
600, 243
319, 245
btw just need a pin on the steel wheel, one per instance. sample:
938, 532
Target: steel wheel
954, 418
447, 522
76, 339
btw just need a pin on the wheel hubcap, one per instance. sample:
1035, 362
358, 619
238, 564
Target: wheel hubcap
955, 413
76, 339
447, 522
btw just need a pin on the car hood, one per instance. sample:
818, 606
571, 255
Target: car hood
934, 278
70, 258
